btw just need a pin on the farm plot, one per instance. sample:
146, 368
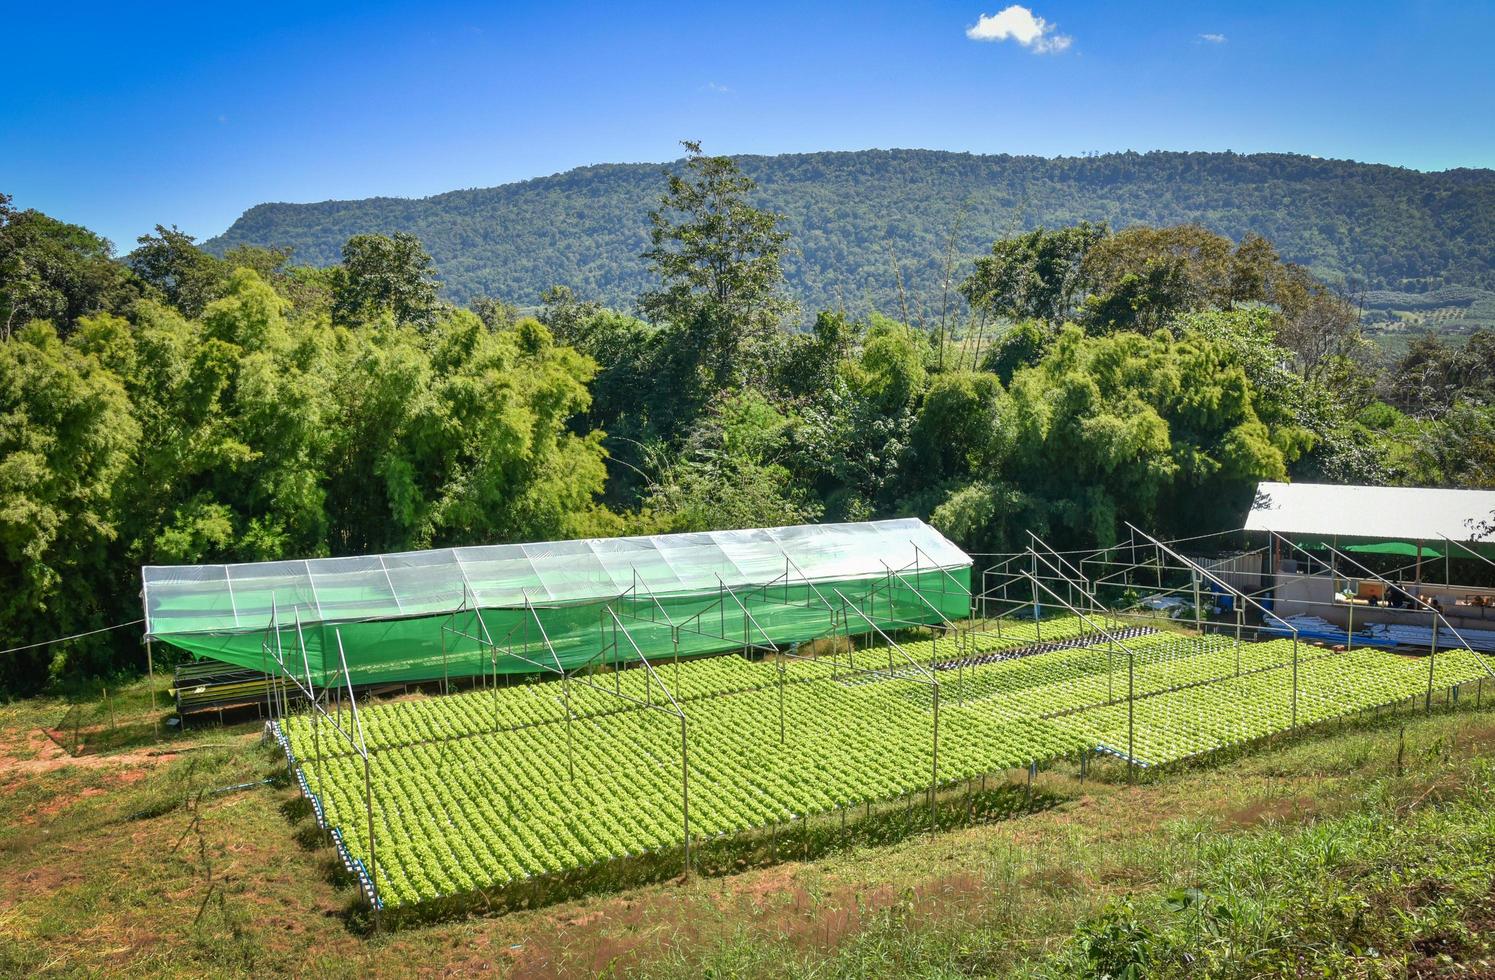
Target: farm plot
479, 790
1234, 710
487, 808
483, 710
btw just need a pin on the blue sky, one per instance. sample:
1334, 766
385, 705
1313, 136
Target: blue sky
119, 119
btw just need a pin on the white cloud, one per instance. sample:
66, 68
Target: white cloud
719, 89
1023, 26
1213, 38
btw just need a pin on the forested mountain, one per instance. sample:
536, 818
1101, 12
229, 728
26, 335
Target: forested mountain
856, 217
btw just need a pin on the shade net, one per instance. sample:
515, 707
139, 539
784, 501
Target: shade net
558, 605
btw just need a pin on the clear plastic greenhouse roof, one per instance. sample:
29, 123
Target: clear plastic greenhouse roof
238, 598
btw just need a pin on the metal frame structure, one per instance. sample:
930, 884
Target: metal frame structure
1019, 584
616, 649
356, 740
1015, 588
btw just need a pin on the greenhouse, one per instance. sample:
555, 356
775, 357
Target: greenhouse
778, 691
556, 606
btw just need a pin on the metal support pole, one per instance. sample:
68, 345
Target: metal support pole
685, 791
265, 669
781, 699
1131, 716
280, 689
1432, 656
1240, 622
316, 731
934, 775
1295, 681
570, 756
443, 647
1110, 670
150, 678
368, 803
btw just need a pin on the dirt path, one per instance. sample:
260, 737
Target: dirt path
34, 751
45, 755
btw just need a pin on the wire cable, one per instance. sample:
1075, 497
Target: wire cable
75, 636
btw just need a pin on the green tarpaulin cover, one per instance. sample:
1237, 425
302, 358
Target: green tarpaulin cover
1394, 548
518, 608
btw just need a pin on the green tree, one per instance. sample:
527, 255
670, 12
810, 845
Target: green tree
51, 270
232, 408
1457, 450
1022, 346
268, 263
1254, 267
308, 290
1143, 278
990, 516
66, 437
385, 274
813, 360
1319, 434
186, 276
1433, 375
642, 393
1157, 430
1039, 275
717, 259
891, 370
729, 474
459, 435
852, 436
960, 430
495, 313
1322, 330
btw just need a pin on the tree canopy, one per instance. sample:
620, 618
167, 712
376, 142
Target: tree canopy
179, 407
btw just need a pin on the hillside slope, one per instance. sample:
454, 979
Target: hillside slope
854, 214
1365, 851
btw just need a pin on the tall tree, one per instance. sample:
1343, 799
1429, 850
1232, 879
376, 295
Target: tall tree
1034, 276
730, 473
718, 262
1320, 327
66, 434
385, 274
186, 276
1434, 375
1148, 428
1143, 278
459, 434
51, 270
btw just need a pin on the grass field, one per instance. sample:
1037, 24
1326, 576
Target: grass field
1366, 849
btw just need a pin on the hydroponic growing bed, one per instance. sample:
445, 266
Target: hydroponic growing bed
479, 790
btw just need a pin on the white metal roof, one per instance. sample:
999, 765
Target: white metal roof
1397, 513
236, 598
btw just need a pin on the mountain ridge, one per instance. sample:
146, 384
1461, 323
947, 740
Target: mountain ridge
864, 219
